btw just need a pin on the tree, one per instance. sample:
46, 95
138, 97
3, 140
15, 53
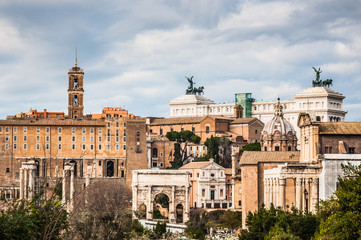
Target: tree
102, 211
219, 149
182, 140
341, 214
275, 221
36, 218
255, 146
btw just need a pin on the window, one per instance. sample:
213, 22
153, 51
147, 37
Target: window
7, 170
91, 130
37, 146
117, 124
37, 129
122, 173
47, 146
83, 147
161, 131
91, 138
91, 147
108, 147
138, 148
193, 129
207, 129
59, 146
277, 148
38, 138
182, 128
1, 129
15, 146
351, 150
108, 132
84, 138
124, 147
125, 124
221, 193
239, 203
125, 132
155, 164
203, 192
73, 130
60, 130
99, 139
6, 129
59, 139
108, 125
99, 147
15, 129
116, 147
117, 133
84, 130
289, 148
108, 139
161, 165
47, 129
117, 139
100, 163
15, 138
25, 146
73, 138
256, 131
6, 138
47, 138
25, 138
25, 129
73, 146
6, 146
99, 130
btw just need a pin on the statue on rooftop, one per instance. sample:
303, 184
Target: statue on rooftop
191, 89
318, 82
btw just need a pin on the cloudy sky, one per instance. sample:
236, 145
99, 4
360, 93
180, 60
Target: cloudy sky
136, 54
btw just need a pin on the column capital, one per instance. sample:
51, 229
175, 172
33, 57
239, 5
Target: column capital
315, 181
299, 181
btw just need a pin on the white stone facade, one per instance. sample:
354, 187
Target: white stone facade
198, 106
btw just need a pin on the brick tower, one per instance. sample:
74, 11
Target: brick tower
75, 92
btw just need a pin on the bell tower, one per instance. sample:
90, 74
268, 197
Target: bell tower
75, 92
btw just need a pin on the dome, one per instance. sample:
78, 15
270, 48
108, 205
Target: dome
278, 123
278, 134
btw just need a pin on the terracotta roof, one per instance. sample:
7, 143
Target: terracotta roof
51, 122
168, 121
340, 128
196, 165
243, 120
254, 157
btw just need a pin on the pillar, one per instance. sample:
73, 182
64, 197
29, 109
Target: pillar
276, 194
266, 192
172, 207
150, 204
64, 188
186, 210
282, 192
31, 183
314, 194
71, 188
270, 190
298, 197
26, 188
21, 183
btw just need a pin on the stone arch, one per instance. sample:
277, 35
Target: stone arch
110, 168
161, 203
142, 211
179, 213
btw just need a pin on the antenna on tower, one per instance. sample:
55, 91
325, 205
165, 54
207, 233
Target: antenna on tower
76, 57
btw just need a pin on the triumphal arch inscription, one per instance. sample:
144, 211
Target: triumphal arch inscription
161, 194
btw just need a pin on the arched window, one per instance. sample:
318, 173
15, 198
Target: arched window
110, 169
76, 82
207, 129
75, 99
155, 152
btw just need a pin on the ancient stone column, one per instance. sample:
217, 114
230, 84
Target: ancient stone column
64, 188
150, 204
265, 197
26, 187
282, 192
270, 200
314, 195
71, 205
298, 197
186, 210
21, 183
31, 182
276, 194
172, 207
